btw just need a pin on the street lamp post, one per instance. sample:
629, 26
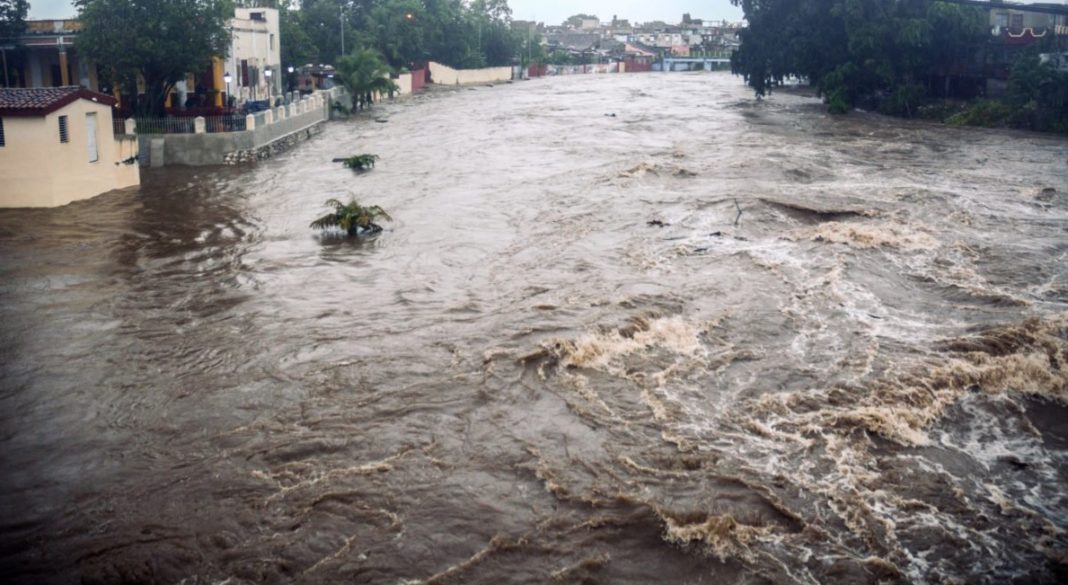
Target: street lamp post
267, 73
290, 78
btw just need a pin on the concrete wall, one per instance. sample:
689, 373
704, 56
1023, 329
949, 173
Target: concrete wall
404, 82
221, 147
443, 75
40, 171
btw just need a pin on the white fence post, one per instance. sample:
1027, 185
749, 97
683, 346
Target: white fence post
199, 125
250, 122
129, 126
281, 113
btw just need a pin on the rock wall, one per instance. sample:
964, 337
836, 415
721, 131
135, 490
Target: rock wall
277, 147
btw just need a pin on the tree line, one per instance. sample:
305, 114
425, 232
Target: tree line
453, 32
897, 57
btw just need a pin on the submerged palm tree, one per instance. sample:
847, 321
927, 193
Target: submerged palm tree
360, 162
363, 74
352, 218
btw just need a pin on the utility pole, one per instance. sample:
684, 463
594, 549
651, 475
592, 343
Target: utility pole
341, 22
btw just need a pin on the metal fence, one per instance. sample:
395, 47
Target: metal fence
184, 125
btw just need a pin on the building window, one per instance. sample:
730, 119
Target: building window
2, 143
64, 134
257, 16
1017, 23
272, 42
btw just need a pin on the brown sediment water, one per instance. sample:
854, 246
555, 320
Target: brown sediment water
706, 340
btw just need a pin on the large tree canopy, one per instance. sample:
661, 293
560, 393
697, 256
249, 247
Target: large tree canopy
12, 24
12, 20
160, 40
855, 49
454, 32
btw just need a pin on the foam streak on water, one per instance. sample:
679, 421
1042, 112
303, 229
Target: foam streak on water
705, 340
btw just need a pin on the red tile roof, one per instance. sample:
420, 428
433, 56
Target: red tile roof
42, 101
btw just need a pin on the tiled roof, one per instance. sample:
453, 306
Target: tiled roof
45, 100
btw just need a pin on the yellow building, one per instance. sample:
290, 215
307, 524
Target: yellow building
57, 145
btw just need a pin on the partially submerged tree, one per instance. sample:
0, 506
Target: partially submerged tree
363, 74
360, 162
351, 218
159, 41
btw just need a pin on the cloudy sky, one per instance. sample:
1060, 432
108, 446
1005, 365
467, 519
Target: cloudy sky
549, 11
556, 11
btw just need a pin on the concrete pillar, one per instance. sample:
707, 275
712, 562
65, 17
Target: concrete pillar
129, 126
64, 67
250, 122
281, 113
199, 125
292, 110
155, 152
36, 76
217, 80
268, 117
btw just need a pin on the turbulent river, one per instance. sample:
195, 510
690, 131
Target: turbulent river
622, 329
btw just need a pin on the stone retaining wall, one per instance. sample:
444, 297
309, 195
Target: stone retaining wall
271, 149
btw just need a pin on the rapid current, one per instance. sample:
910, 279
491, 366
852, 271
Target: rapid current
622, 329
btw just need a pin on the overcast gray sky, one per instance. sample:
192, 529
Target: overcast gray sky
549, 11
556, 11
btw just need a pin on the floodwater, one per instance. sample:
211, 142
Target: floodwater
623, 329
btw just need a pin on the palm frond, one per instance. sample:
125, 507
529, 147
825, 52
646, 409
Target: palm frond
325, 222
351, 217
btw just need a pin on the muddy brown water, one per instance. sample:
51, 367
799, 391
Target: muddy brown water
861, 378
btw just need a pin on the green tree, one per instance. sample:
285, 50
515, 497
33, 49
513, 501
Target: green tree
401, 30
883, 52
363, 74
453, 32
12, 20
1038, 95
158, 40
12, 25
297, 47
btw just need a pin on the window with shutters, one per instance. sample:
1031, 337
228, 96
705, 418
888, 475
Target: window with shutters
64, 133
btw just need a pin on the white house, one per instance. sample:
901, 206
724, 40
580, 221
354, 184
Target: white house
256, 48
58, 145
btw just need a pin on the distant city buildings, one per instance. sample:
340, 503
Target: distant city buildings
620, 39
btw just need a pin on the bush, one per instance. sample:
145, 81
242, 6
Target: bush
987, 113
904, 101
